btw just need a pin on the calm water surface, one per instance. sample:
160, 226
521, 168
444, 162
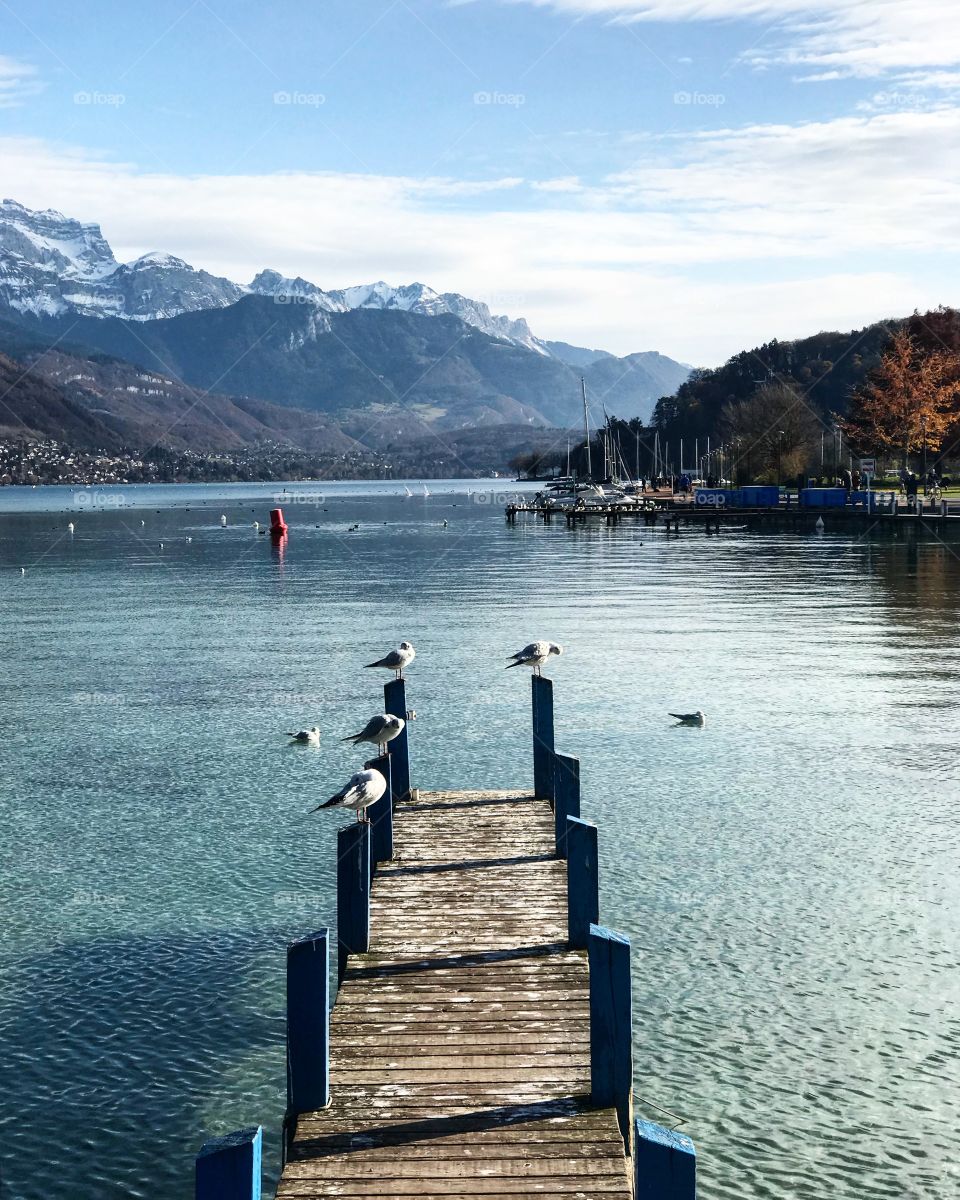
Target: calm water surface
788, 875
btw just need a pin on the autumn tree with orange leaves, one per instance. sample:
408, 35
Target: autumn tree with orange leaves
908, 402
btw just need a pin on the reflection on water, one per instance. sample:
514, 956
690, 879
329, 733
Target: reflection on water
788, 875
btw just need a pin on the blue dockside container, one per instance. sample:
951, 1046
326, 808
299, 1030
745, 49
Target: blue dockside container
760, 496
823, 497
715, 497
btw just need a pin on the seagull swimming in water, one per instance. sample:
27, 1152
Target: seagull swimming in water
307, 737
397, 660
534, 655
380, 729
360, 791
694, 718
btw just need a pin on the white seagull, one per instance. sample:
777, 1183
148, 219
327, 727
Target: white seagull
534, 655
397, 660
694, 718
360, 790
307, 737
380, 729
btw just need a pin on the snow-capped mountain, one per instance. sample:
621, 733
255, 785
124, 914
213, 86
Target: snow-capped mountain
412, 297
51, 264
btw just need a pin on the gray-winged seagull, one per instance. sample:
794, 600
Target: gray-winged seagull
534, 655
307, 737
360, 791
380, 729
694, 718
397, 660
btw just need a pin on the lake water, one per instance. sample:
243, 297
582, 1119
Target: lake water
788, 875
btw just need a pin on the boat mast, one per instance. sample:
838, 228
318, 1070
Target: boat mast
586, 427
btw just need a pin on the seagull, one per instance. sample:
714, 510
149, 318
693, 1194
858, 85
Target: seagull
534, 655
397, 660
307, 737
360, 790
694, 718
380, 729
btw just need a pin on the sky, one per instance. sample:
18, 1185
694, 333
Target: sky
690, 176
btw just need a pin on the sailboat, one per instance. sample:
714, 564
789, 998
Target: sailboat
407, 491
568, 492
425, 492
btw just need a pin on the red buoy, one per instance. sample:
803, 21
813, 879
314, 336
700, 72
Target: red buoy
278, 526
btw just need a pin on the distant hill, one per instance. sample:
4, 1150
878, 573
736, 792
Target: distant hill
822, 370
33, 408
575, 356
438, 371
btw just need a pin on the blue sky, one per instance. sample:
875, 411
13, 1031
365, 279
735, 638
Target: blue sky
693, 176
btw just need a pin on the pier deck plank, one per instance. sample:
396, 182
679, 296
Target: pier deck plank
460, 1044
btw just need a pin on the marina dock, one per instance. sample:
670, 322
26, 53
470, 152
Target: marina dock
939, 518
481, 1039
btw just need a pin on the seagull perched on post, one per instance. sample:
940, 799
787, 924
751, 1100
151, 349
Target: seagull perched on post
534, 655
307, 737
397, 660
360, 791
380, 729
694, 718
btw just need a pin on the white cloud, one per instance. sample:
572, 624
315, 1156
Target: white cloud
708, 244
874, 184
867, 38
18, 81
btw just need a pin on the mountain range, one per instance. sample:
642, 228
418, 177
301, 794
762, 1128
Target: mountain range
384, 362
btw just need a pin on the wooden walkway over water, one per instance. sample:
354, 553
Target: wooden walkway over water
460, 1045
480, 1043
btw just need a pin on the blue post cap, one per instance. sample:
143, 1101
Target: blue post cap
229, 1167
231, 1141
608, 935
665, 1163
309, 937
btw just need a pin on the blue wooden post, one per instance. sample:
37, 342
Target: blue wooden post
542, 737
566, 797
353, 892
611, 1034
583, 882
228, 1168
308, 1023
395, 703
665, 1164
380, 815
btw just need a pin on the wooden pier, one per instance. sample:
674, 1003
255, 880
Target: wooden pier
480, 1043
939, 518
